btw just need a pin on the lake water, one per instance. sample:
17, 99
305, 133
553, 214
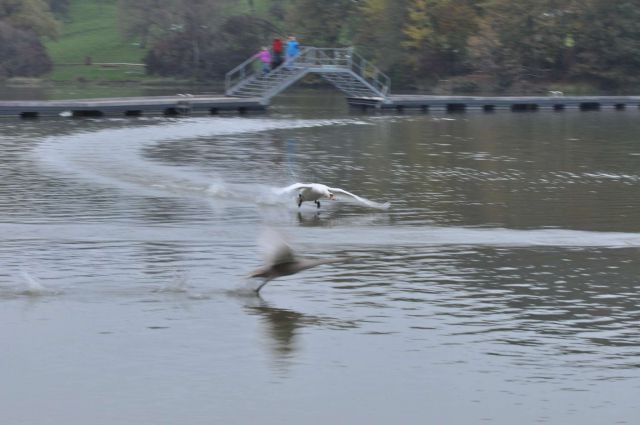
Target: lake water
502, 286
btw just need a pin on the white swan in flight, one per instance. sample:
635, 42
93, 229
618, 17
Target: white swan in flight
280, 259
316, 191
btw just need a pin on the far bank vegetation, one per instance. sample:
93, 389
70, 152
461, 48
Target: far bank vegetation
465, 46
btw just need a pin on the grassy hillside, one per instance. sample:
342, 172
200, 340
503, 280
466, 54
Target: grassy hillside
92, 31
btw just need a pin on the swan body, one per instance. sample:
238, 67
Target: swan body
280, 260
316, 191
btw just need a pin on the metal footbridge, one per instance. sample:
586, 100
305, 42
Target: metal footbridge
349, 72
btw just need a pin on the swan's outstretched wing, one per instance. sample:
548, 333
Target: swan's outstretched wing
275, 248
291, 188
361, 200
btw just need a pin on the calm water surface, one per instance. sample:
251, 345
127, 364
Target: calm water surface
501, 287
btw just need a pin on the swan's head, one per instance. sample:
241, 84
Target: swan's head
330, 196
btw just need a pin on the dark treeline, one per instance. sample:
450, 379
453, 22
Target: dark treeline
493, 44
471, 44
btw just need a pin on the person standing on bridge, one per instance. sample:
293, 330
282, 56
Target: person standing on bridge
276, 48
293, 47
265, 58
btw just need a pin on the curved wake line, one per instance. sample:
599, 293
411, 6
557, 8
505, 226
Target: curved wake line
110, 141
112, 157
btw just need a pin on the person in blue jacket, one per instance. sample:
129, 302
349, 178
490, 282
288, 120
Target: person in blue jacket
293, 47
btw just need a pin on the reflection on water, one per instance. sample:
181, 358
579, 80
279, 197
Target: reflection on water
501, 286
283, 326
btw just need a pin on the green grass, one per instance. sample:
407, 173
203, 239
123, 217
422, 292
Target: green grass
92, 31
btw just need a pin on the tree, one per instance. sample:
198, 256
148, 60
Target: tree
437, 33
22, 23
21, 53
29, 15
526, 40
607, 43
179, 31
145, 20
321, 23
174, 55
378, 35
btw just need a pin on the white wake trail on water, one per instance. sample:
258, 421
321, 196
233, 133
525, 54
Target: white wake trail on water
114, 157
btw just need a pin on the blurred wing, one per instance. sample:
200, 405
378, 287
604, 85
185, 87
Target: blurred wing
275, 248
361, 200
295, 186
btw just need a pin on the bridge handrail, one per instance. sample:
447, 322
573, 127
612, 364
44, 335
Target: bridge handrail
371, 74
240, 72
361, 67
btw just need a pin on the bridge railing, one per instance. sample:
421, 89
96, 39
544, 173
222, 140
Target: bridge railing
319, 56
348, 58
371, 74
252, 67
241, 72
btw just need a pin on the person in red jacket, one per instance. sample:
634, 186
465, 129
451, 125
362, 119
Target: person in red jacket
276, 49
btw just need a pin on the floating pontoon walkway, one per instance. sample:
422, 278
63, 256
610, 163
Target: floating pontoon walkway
129, 106
491, 103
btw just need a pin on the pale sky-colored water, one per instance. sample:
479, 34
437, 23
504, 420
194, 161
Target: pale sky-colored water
500, 287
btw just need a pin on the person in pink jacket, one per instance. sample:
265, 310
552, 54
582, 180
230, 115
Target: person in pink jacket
265, 57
